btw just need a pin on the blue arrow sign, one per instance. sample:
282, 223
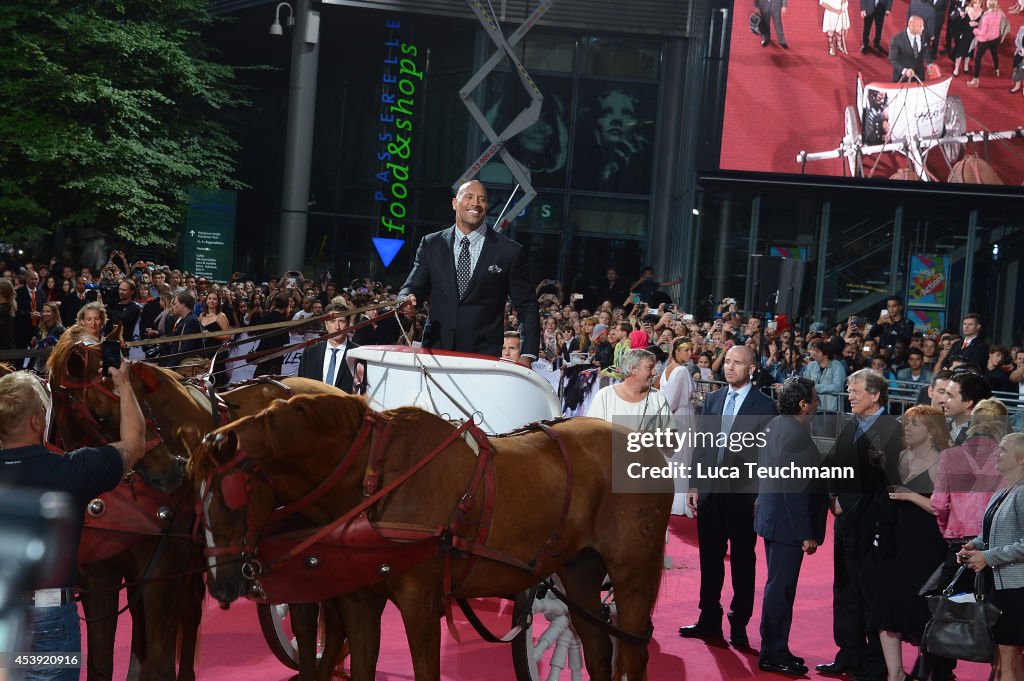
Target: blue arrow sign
387, 248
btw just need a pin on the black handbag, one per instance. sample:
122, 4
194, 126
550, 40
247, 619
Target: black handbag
962, 631
755, 23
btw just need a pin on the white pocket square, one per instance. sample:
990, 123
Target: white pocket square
494, 269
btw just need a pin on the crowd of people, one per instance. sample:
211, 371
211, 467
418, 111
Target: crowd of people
937, 489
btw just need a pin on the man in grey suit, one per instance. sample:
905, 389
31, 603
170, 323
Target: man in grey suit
790, 516
772, 10
724, 507
874, 13
468, 271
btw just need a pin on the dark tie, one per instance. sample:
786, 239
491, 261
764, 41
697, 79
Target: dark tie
463, 271
917, 48
728, 415
332, 366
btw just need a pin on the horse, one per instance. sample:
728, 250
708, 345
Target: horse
166, 601
492, 523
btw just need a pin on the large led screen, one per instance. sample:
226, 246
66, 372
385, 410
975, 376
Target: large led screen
822, 105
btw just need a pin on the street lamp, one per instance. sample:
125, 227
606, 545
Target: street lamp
275, 28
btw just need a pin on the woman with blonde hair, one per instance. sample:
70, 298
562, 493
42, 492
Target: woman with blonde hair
92, 317
988, 33
966, 478
1000, 547
8, 306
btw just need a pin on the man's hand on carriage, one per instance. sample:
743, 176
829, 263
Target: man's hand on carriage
407, 306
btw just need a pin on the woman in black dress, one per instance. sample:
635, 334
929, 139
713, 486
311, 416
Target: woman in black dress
909, 545
213, 319
8, 306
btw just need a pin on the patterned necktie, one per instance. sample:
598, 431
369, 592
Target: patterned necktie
332, 366
728, 414
463, 271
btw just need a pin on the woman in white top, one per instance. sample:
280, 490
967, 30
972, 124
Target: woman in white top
633, 402
677, 384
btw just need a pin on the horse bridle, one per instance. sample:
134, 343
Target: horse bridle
86, 419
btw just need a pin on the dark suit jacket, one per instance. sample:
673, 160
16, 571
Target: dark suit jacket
754, 414
975, 353
869, 6
23, 317
790, 511
901, 55
859, 498
311, 365
477, 322
184, 327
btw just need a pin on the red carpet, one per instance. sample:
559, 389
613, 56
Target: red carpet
232, 648
780, 102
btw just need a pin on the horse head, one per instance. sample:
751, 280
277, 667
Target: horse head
245, 472
234, 500
87, 409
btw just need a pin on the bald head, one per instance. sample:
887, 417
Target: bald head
470, 206
915, 25
739, 365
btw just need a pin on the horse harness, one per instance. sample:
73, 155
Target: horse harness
355, 551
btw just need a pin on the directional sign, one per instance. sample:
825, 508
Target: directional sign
208, 241
387, 248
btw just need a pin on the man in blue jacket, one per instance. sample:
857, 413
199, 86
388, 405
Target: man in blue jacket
790, 516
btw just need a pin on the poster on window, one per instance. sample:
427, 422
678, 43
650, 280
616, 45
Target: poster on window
928, 322
791, 252
614, 137
544, 146
928, 281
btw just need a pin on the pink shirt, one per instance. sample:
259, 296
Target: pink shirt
988, 29
965, 482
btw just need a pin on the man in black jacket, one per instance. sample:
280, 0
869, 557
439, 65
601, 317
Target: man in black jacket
892, 326
874, 13
972, 348
183, 308
126, 310
325, 361
908, 51
870, 444
275, 339
468, 271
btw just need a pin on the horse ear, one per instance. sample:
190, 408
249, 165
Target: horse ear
148, 376
116, 333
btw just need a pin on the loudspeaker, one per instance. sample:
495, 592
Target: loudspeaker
777, 284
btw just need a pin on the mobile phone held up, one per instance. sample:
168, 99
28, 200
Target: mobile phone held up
636, 298
111, 355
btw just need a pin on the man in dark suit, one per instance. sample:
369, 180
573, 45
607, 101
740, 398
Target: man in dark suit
874, 13
870, 444
274, 339
772, 11
330, 367
183, 308
73, 301
908, 51
468, 271
725, 507
972, 349
790, 517
30, 298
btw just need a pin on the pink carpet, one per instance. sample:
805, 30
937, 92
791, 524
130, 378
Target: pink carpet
780, 102
232, 648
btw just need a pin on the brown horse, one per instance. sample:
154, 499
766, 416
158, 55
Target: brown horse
546, 510
165, 619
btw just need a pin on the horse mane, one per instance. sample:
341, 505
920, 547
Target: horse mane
291, 424
62, 349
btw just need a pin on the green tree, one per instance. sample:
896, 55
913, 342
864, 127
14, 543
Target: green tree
109, 111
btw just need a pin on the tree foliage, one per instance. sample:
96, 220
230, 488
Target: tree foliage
109, 111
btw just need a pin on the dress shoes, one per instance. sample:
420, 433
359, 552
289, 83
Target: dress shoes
785, 46
764, 42
782, 667
864, 49
737, 633
701, 630
836, 668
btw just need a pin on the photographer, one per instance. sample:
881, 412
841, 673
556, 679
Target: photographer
125, 310
84, 474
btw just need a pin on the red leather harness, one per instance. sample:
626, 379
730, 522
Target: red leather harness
355, 551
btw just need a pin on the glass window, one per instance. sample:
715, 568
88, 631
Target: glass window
588, 259
609, 216
614, 137
544, 252
548, 52
621, 58
543, 147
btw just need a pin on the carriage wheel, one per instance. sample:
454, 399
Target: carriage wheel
277, 631
852, 139
548, 647
954, 120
